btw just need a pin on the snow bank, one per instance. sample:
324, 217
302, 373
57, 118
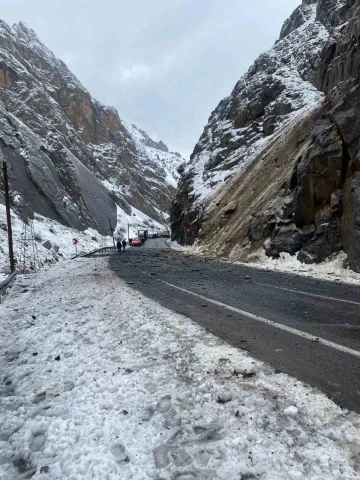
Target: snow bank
60, 240
100, 382
60, 237
333, 269
180, 248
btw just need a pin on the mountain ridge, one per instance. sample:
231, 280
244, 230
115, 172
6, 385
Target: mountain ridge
75, 131
300, 203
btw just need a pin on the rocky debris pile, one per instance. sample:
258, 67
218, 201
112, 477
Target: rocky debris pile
67, 148
310, 196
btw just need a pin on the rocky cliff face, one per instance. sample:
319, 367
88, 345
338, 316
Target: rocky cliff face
277, 166
70, 157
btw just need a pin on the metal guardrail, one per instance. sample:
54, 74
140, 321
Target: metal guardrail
98, 251
7, 283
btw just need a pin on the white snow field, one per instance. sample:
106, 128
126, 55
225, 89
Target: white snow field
98, 382
59, 238
332, 269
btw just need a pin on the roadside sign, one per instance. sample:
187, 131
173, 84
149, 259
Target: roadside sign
75, 242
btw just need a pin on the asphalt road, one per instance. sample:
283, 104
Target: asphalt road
302, 326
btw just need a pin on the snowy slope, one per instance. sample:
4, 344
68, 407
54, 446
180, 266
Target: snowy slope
102, 383
65, 148
274, 89
276, 167
46, 230
157, 152
54, 241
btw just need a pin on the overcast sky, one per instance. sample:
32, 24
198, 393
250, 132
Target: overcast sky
164, 64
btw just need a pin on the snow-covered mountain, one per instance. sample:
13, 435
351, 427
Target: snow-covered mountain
71, 159
157, 152
272, 164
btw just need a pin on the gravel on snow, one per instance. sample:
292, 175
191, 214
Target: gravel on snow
98, 382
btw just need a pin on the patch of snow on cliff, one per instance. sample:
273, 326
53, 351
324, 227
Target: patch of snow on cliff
146, 147
28, 37
205, 190
285, 64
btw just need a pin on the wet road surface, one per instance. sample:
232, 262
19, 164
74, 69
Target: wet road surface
305, 327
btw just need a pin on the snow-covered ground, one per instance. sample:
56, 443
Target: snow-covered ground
60, 240
333, 269
99, 382
176, 246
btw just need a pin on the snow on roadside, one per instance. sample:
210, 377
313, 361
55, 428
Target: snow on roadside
180, 248
331, 269
57, 237
100, 382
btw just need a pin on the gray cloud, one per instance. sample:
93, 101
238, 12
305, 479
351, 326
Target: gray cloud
164, 64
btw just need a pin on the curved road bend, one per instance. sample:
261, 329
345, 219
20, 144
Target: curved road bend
305, 327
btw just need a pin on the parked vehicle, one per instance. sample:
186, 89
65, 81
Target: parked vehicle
143, 235
136, 242
153, 235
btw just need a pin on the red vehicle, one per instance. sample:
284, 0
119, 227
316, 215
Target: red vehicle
136, 242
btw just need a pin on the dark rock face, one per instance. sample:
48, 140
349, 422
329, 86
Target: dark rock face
316, 212
296, 20
324, 189
263, 102
50, 188
347, 118
320, 196
190, 218
77, 152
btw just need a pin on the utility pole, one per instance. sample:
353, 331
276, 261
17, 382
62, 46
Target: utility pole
128, 232
8, 217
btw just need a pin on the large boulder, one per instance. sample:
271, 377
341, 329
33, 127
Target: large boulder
287, 239
325, 242
351, 220
47, 244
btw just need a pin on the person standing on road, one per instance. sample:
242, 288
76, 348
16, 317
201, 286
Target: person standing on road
124, 244
118, 245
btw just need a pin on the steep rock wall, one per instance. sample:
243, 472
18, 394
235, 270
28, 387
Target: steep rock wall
315, 212
78, 134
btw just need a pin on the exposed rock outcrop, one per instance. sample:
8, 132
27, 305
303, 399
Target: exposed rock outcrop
70, 157
285, 146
